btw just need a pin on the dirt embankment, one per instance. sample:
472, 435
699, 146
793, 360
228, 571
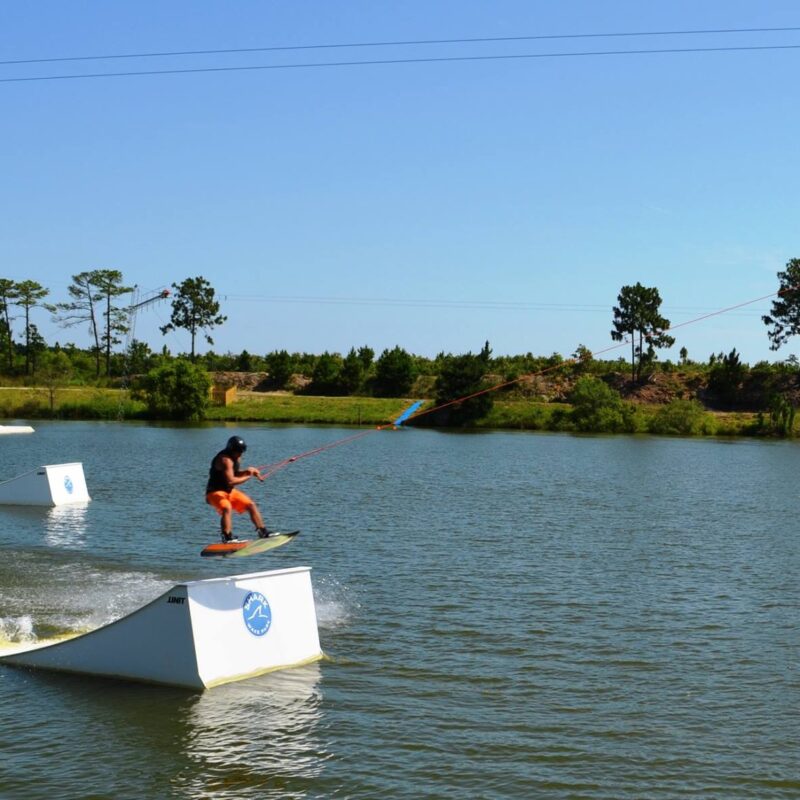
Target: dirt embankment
256, 381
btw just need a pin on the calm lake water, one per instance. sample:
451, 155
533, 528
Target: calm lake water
505, 615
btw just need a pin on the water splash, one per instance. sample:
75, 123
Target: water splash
335, 604
16, 630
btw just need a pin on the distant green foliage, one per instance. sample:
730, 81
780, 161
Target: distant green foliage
91, 294
35, 348
245, 362
725, 377
195, 309
139, 358
310, 409
326, 376
55, 369
682, 418
8, 294
395, 372
598, 408
781, 415
177, 390
352, 375
366, 355
582, 360
462, 376
279, 368
764, 381
27, 295
785, 313
637, 319
525, 415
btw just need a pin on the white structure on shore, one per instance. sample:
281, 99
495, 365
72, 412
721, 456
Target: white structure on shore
50, 485
197, 635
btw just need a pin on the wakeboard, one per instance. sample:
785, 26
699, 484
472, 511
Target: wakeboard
239, 548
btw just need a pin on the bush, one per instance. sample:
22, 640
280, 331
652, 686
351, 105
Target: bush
177, 390
597, 408
681, 418
781, 414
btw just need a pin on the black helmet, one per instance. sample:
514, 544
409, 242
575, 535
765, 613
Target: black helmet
236, 445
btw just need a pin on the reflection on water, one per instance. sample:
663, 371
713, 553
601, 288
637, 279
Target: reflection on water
65, 526
254, 735
244, 741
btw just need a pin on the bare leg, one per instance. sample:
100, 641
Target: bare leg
226, 522
255, 516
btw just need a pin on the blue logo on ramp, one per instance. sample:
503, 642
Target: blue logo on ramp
68, 484
256, 613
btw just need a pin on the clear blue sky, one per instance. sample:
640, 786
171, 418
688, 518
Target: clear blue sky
549, 183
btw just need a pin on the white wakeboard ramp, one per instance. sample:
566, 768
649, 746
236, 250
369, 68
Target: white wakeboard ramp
8, 430
197, 635
50, 485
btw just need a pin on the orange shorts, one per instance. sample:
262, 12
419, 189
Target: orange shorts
234, 499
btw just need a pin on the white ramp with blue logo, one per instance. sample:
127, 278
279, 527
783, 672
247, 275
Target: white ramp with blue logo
199, 634
50, 485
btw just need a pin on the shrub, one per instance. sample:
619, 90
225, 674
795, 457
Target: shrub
682, 418
177, 390
598, 408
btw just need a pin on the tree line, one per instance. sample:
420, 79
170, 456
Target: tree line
94, 302
637, 321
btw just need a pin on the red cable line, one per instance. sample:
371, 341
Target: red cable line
271, 469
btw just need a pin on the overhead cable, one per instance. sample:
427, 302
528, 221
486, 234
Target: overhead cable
390, 61
402, 43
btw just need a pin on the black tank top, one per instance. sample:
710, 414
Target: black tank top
217, 482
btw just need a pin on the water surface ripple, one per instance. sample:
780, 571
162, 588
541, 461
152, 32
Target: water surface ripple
505, 615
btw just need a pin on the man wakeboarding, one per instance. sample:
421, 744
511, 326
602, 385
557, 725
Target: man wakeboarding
221, 492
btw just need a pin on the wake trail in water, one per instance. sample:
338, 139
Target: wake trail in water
62, 599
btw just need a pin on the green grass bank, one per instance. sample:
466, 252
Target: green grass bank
508, 414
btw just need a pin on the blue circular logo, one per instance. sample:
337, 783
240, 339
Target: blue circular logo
68, 484
256, 613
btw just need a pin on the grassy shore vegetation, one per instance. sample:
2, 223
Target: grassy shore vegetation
679, 417
311, 410
636, 393
723, 398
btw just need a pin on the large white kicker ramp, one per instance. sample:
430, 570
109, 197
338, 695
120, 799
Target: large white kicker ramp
198, 634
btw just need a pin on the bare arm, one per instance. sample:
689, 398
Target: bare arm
242, 476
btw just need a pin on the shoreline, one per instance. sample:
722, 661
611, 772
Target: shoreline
92, 403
